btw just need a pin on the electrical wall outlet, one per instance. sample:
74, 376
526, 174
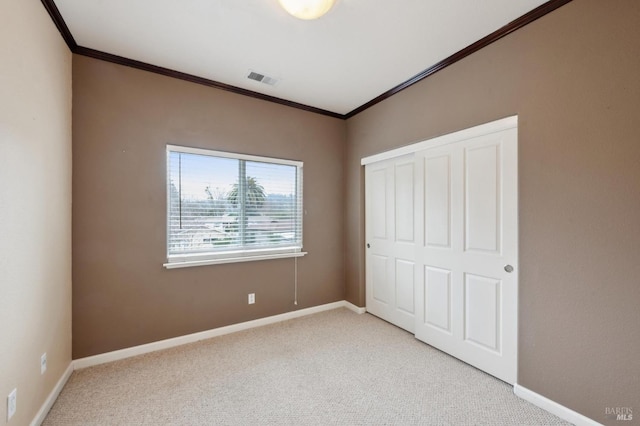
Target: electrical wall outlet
252, 298
11, 403
43, 363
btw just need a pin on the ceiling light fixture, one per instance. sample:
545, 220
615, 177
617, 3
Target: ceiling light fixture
307, 9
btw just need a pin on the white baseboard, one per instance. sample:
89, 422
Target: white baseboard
51, 399
354, 308
524, 393
177, 341
553, 407
195, 337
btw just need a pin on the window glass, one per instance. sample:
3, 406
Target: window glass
221, 206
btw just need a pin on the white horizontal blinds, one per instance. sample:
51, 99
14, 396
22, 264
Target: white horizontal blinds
272, 205
200, 216
221, 204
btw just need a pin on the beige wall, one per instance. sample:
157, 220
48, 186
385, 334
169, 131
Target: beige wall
35, 206
122, 120
573, 78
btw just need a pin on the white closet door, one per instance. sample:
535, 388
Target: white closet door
466, 251
390, 236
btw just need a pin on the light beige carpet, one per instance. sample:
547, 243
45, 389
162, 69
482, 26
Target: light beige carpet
332, 368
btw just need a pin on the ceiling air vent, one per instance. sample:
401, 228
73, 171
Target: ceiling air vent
262, 78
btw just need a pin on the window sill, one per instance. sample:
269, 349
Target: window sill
192, 263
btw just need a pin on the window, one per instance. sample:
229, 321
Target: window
224, 207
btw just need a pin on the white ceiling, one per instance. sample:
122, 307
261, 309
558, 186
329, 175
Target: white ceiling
359, 50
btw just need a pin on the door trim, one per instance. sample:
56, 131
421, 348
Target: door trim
479, 130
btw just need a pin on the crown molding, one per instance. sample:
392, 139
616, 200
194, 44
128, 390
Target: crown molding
522, 21
525, 19
97, 54
57, 19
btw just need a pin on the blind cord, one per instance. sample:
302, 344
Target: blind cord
295, 281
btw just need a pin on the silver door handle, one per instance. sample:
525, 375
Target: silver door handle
508, 268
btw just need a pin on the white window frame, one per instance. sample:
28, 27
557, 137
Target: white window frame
232, 256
